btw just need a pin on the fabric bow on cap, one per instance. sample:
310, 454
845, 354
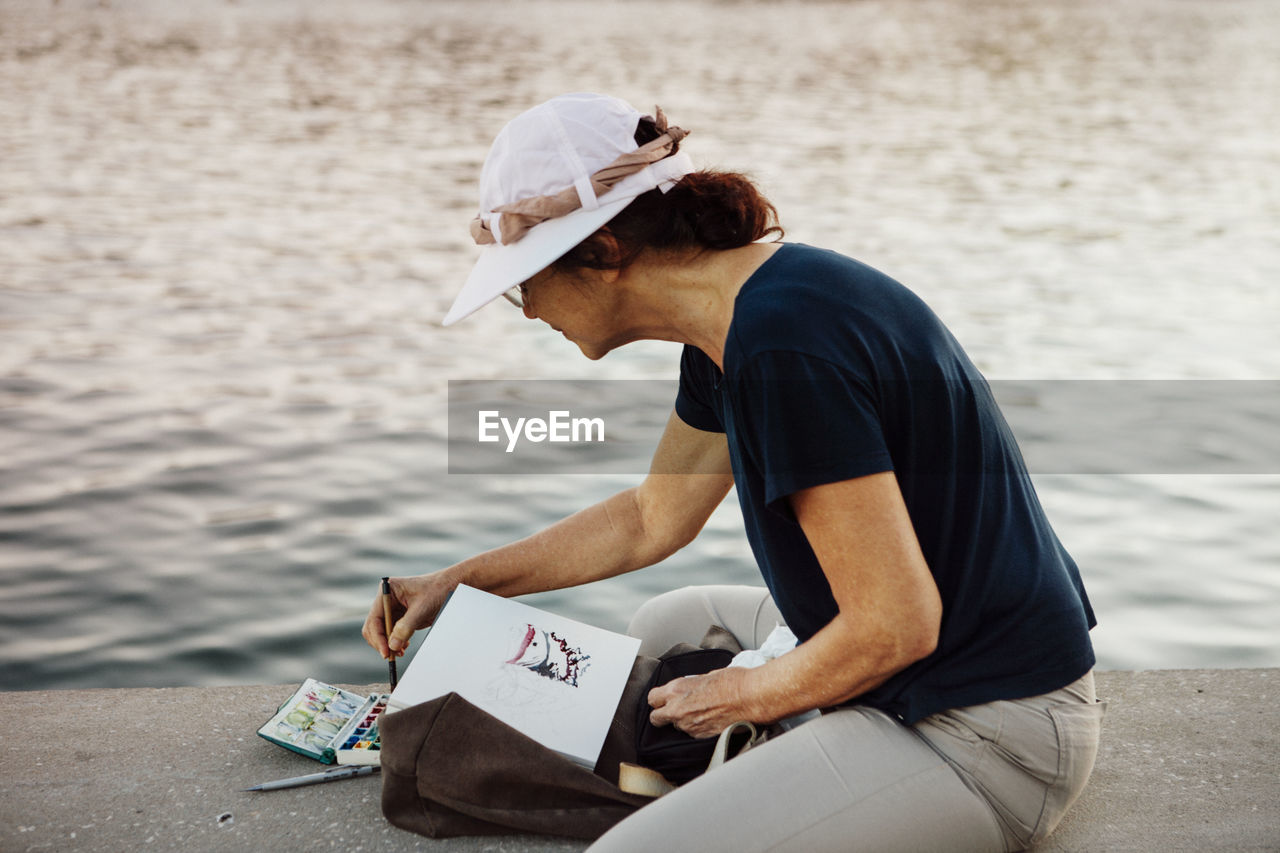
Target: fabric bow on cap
515, 219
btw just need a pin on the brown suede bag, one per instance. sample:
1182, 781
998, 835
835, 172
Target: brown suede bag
449, 769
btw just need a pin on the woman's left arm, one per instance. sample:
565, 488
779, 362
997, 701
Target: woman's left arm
889, 616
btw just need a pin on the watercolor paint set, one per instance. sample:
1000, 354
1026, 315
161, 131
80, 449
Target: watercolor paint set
329, 724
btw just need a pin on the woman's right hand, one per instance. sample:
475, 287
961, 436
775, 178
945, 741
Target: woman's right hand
415, 602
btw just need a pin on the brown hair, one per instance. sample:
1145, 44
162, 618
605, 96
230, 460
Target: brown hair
705, 210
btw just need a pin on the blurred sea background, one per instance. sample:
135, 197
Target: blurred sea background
228, 231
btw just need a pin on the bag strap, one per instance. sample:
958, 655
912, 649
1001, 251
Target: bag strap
634, 779
721, 753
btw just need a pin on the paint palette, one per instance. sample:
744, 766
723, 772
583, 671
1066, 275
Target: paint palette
359, 742
328, 724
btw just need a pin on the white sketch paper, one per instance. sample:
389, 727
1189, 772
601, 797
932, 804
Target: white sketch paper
555, 679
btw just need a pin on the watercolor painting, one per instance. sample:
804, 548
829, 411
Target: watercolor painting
546, 654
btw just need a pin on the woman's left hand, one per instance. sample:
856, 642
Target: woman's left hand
702, 705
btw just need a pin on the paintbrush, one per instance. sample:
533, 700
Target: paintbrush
386, 621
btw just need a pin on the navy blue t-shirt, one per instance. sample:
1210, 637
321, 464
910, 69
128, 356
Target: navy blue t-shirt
832, 371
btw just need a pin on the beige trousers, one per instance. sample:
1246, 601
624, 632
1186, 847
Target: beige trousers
985, 778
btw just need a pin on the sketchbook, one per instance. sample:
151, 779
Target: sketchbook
556, 680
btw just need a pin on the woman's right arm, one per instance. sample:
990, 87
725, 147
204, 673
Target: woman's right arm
630, 530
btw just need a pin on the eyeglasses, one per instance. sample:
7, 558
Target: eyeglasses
518, 295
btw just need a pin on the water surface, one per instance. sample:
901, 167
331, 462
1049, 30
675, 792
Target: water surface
228, 232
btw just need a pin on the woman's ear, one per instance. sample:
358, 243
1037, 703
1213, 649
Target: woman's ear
601, 250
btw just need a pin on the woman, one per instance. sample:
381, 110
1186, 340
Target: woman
941, 622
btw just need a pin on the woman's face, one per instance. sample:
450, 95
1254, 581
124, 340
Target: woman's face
580, 305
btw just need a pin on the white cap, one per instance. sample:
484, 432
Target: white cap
541, 152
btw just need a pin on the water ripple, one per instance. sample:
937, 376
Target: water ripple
228, 231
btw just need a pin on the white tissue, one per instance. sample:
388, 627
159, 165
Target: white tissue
778, 643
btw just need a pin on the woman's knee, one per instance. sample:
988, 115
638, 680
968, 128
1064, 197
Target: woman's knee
684, 615
665, 620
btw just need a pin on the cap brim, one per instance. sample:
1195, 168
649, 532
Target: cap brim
502, 267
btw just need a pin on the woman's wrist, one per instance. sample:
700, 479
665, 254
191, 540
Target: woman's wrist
752, 701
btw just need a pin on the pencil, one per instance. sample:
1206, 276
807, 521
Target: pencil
344, 772
386, 622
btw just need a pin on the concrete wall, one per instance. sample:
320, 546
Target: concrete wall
1189, 761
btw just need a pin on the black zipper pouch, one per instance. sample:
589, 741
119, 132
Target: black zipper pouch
677, 756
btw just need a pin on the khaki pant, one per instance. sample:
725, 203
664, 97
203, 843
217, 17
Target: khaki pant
997, 776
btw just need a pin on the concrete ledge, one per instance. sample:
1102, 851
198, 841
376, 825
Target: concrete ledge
1189, 761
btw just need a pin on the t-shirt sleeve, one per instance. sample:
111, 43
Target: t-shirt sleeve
694, 406
806, 422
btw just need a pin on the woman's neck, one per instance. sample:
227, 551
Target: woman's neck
690, 301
